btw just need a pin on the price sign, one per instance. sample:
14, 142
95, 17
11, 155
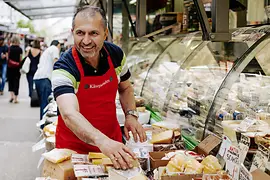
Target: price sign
226, 143
245, 124
232, 158
261, 158
244, 174
244, 147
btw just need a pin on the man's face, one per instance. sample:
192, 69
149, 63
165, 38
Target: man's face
89, 34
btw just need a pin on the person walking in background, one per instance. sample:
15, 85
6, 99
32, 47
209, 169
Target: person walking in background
34, 56
13, 70
42, 77
3, 62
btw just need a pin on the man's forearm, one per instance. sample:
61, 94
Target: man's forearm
126, 97
77, 123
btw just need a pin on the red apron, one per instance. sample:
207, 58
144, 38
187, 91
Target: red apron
96, 96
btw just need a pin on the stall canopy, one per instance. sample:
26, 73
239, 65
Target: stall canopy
43, 9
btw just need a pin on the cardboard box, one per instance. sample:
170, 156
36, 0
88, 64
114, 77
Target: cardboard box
260, 175
155, 159
207, 145
60, 171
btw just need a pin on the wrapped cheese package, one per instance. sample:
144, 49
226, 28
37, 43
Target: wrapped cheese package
58, 155
211, 165
177, 163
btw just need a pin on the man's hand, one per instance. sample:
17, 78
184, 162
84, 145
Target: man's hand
118, 153
132, 124
3, 56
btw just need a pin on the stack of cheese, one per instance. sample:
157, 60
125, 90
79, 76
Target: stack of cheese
181, 163
165, 132
49, 135
57, 164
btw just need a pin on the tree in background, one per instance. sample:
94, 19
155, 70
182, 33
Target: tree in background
28, 24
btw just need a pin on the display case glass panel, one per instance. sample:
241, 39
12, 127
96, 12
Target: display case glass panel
142, 57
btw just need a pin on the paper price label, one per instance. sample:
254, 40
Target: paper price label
261, 158
232, 158
244, 147
226, 143
244, 174
245, 124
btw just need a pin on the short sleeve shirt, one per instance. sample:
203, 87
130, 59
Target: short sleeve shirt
66, 76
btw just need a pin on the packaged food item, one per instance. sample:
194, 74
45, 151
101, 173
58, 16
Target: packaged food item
211, 165
177, 163
95, 155
80, 159
58, 155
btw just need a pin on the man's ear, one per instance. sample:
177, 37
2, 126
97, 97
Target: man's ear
106, 34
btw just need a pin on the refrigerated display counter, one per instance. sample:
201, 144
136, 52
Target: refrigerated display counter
191, 81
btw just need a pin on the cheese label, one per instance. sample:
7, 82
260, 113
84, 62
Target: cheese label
245, 124
260, 159
244, 174
244, 147
88, 171
80, 159
232, 158
226, 143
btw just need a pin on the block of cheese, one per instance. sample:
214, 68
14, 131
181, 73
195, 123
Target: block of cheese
95, 155
60, 171
131, 174
96, 161
58, 155
164, 137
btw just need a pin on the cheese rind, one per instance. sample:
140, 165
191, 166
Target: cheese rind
60, 171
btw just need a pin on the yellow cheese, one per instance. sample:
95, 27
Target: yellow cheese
162, 138
60, 171
96, 161
95, 155
58, 155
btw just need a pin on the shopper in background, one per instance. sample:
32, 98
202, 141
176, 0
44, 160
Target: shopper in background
13, 71
42, 77
95, 70
34, 55
3, 62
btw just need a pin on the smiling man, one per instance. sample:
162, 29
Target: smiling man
85, 81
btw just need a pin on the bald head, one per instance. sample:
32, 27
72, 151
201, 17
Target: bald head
90, 12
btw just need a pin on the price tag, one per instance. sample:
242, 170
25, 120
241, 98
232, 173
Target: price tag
232, 158
244, 147
226, 143
245, 124
244, 174
261, 158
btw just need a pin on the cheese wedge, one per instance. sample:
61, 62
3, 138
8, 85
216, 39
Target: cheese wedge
95, 155
108, 162
97, 161
164, 137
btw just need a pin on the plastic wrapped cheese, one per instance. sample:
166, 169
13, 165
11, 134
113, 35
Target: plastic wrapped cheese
177, 163
58, 155
211, 165
162, 138
193, 167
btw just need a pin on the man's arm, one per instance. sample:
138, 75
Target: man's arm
126, 97
76, 122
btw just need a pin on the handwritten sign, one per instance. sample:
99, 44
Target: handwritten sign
244, 174
232, 158
261, 158
244, 147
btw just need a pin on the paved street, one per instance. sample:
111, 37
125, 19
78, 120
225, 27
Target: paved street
18, 134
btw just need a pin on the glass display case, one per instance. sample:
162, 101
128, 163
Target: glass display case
245, 90
200, 83
142, 56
